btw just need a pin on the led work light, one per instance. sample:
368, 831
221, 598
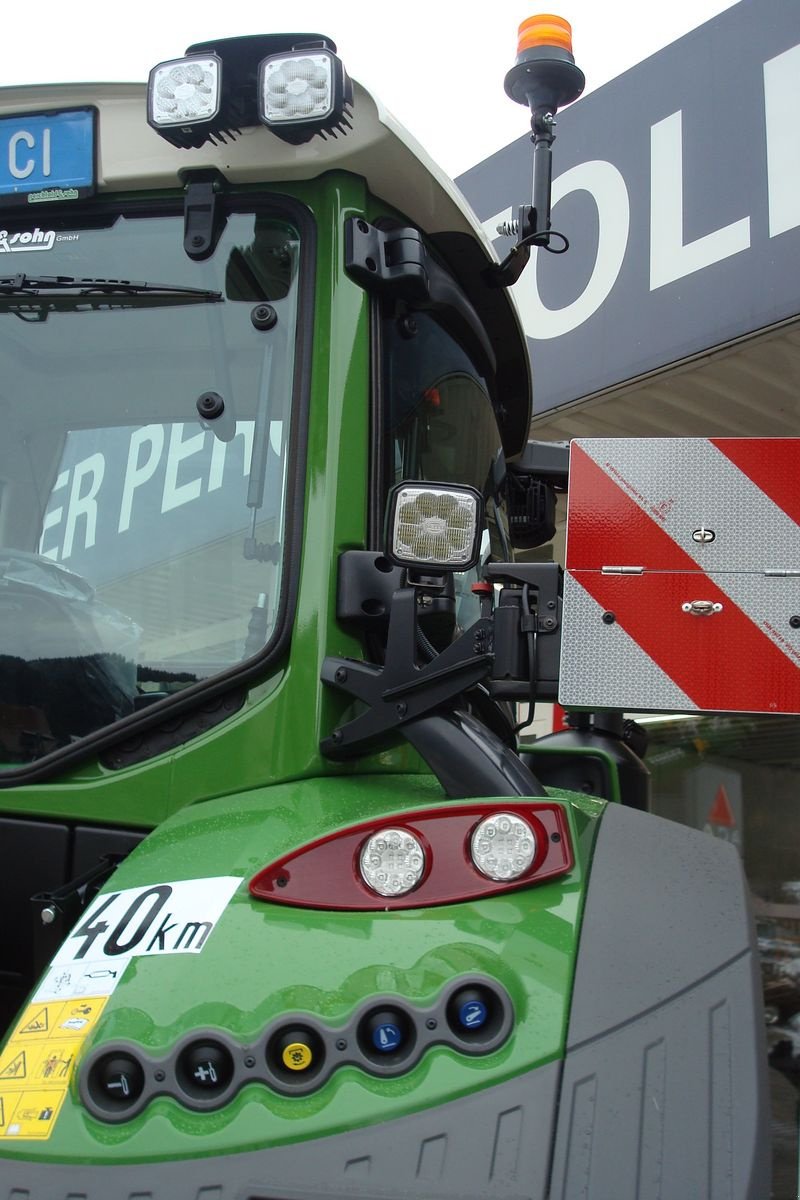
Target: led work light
184, 93
434, 527
302, 93
293, 83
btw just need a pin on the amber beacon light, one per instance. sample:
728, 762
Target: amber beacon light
545, 30
544, 78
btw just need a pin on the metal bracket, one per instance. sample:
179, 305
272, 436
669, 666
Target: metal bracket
400, 691
392, 261
202, 222
513, 670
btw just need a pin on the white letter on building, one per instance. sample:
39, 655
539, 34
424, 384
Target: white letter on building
670, 259
781, 106
607, 188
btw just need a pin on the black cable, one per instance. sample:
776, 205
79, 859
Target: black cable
528, 624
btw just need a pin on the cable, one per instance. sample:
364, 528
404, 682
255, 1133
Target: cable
528, 625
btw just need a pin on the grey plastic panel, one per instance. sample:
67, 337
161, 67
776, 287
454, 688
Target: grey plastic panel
666, 906
495, 1143
664, 1088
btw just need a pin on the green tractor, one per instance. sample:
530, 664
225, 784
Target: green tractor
287, 909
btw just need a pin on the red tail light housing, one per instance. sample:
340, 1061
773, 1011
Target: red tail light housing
326, 873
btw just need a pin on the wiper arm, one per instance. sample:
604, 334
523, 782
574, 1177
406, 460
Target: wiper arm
44, 285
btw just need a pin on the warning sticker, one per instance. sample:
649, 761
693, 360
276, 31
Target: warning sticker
30, 1114
13, 1065
38, 1062
38, 1024
95, 976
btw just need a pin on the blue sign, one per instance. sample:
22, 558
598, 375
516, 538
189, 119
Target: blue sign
473, 1014
387, 1037
47, 156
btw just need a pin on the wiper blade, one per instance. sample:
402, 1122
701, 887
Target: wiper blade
44, 285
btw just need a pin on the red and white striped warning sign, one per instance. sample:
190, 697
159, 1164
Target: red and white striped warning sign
682, 589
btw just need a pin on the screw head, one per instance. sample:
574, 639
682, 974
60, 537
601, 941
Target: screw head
159, 1076
794, 622
264, 316
401, 709
210, 405
609, 618
250, 1061
341, 675
431, 1023
341, 1043
408, 327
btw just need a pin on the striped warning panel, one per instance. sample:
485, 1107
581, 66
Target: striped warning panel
682, 589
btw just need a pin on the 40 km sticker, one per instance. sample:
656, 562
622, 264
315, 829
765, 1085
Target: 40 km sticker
165, 918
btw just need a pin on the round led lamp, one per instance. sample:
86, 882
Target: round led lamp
503, 846
392, 862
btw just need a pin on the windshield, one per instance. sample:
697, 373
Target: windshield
143, 463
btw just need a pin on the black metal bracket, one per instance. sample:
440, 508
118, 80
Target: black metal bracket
514, 621
396, 263
202, 217
400, 691
545, 578
60, 908
391, 261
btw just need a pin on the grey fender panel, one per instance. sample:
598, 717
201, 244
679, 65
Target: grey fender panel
494, 1143
664, 1093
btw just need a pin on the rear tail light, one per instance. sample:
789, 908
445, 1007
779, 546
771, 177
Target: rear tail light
435, 856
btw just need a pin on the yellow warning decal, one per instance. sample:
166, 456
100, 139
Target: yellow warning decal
59, 1018
30, 1114
38, 1061
39, 1023
13, 1065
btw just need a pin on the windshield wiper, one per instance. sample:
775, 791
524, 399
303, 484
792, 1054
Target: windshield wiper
36, 285
33, 297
